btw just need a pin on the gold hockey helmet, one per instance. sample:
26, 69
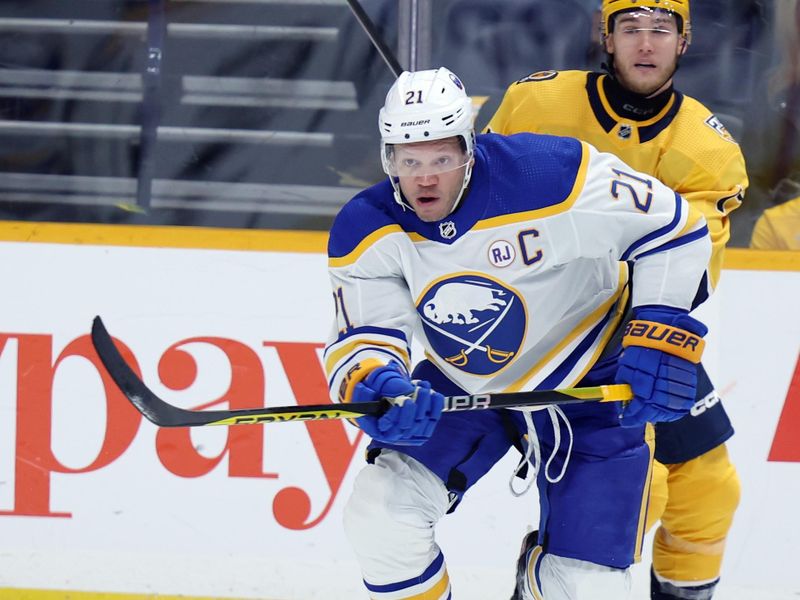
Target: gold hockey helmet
679, 7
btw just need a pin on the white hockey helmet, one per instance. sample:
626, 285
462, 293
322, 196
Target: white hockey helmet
424, 106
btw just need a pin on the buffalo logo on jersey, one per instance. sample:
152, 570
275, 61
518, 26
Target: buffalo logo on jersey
539, 76
474, 323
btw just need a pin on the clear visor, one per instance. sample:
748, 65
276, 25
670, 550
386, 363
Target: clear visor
639, 20
424, 159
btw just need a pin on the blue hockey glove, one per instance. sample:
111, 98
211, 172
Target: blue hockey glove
415, 410
662, 348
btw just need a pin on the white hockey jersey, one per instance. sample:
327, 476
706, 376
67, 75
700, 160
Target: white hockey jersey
523, 285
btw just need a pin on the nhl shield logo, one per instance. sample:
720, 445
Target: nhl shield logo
447, 230
474, 323
625, 131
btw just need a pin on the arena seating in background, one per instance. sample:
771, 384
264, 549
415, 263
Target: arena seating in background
261, 110
268, 107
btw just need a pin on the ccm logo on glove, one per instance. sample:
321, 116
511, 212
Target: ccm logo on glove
666, 338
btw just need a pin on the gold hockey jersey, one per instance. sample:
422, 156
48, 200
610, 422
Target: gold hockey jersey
778, 228
684, 145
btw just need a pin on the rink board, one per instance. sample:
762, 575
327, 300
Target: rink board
95, 500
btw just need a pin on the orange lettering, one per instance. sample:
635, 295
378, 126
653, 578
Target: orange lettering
786, 443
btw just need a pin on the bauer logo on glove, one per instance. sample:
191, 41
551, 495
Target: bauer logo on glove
662, 348
664, 337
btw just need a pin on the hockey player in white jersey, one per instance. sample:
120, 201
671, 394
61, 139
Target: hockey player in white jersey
508, 259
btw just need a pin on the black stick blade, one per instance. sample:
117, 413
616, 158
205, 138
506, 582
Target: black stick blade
150, 405
164, 414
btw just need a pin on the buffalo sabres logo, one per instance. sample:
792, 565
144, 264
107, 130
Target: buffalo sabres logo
447, 230
474, 323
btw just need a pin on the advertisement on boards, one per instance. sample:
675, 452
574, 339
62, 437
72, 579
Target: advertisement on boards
94, 498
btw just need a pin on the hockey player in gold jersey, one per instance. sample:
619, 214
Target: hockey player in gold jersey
633, 111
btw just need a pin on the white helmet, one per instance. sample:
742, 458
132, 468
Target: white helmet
423, 106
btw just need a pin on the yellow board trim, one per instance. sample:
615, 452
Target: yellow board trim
745, 259
212, 238
19, 594
157, 236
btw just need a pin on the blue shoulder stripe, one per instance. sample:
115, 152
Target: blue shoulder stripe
684, 239
657, 233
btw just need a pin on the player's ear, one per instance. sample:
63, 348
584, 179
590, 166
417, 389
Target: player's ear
683, 47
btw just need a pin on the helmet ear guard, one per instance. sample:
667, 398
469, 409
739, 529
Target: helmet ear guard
425, 106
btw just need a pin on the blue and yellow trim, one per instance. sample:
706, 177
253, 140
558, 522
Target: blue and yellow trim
547, 211
650, 440
430, 585
582, 328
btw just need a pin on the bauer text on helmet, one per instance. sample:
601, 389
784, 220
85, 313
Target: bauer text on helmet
678, 8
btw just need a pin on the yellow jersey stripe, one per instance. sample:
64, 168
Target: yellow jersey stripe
540, 213
434, 593
336, 355
613, 323
362, 246
650, 439
582, 328
532, 560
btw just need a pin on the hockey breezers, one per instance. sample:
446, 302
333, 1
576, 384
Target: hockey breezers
164, 414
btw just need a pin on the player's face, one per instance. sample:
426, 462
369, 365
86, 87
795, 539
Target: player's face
646, 46
431, 175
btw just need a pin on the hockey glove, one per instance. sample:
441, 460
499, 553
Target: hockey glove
415, 409
662, 347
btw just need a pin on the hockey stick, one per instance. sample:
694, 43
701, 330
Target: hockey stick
369, 27
151, 102
165, 415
